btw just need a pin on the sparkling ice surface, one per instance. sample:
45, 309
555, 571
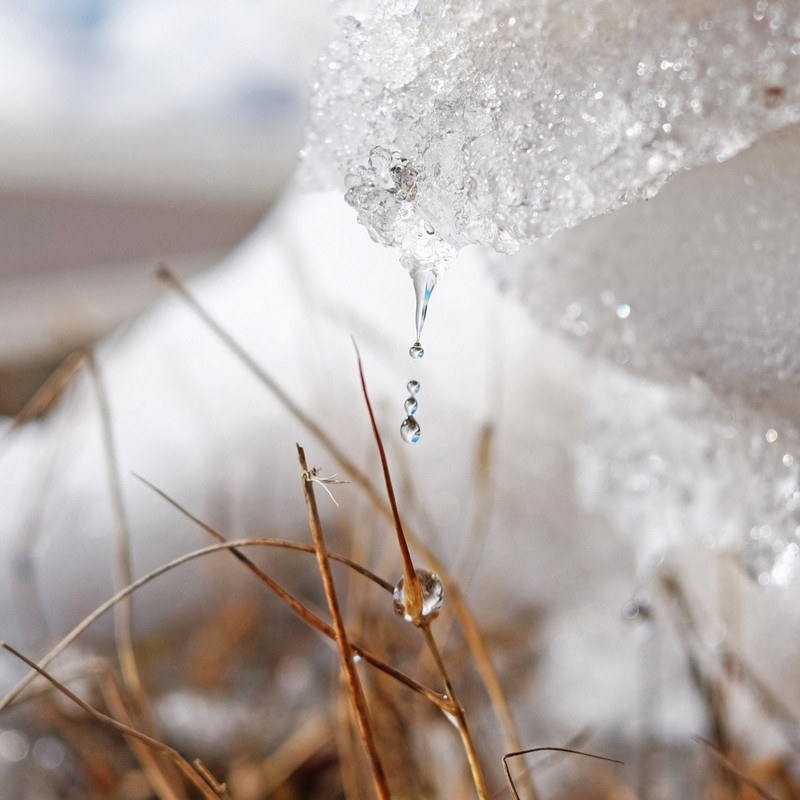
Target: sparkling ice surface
501, 121
432, 595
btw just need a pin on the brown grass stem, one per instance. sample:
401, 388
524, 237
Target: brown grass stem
530, 750
728, 765
456, 712
473, 636
123, 572
162, 780
127, 731
412, 587
314, 621
355, 690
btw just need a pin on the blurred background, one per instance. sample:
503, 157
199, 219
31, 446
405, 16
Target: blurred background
133, 131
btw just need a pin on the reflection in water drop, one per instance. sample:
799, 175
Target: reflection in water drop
412, 387
432, 595
416, 350
409, 430
411, 406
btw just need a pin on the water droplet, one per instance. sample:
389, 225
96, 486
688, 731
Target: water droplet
411, 406
432, 595
771, 435
623, 311
412, 387
416, 350
424, 283
357, 658
409, 430
638, 607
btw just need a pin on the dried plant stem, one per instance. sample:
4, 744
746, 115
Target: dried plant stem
569, 750
355, 690
483, 662
186, 769
296, 606
411, 584
123, 573
314, 621
163, 784
727, 764
454, 708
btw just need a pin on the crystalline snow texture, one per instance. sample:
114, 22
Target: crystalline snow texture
500, 122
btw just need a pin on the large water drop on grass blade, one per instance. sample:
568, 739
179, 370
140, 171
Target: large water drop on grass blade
432, 595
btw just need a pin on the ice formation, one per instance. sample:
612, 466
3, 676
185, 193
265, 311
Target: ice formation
509, 124
500, 122
693, 436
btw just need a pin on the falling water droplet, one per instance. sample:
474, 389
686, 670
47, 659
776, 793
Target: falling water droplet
411, 406
432, 595
412, 387
416, 350
409, 430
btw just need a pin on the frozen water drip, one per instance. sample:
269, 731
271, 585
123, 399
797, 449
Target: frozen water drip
410, 430
424, 282
432, 595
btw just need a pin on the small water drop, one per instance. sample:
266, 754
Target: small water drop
411, 406
412, 387
410, 430
771, 435
416, 350
432, 595
638, 607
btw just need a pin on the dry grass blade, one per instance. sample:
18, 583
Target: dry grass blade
530, 750
413, 589
302, 611
161, 780
735, 771
183, 765
48, 394
472, 633
355, 690
123, 572
414, 607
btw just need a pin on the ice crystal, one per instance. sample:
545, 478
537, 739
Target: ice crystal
500, 122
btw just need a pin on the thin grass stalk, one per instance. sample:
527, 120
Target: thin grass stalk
162, 784
735, 772
472, 634
411, 584
123, 572
355, 690
186, 769
298, 607
456, 712
530, 750
294, 604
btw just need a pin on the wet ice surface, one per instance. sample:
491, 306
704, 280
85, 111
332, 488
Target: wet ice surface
497, 123
693, 438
